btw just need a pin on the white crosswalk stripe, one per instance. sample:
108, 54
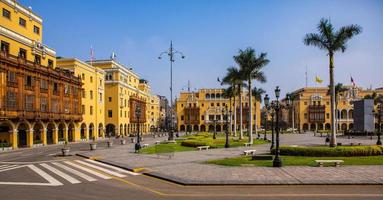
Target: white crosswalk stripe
112, 167
88, 170
101, 169
78, 173
60, 173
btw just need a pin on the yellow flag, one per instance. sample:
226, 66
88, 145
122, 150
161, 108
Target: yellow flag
318, 80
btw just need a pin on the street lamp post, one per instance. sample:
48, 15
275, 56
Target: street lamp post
276, 107
272, 130
265, 137
171, 53
138, 114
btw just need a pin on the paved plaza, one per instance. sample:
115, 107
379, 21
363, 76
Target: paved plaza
189, 167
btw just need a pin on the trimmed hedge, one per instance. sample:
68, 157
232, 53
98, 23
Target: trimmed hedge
331, 151
196, 143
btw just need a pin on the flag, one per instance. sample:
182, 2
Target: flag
218, 79
318, 79
91, 55
352, 81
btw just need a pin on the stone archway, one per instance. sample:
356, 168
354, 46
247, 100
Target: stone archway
61, 131
312, 127
125, 130
320, 126
203, 128
91, 131
6, 133
38, 130
305, 127
211, 128
83, 131
51, 128
110, 130
71, 132
100, 130
344, 127
195, 128
22, 139
327, 126
182, 128
218, 128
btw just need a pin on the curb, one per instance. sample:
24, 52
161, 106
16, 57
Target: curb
183, 183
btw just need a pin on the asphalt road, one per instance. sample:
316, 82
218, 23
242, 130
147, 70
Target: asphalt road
39, 174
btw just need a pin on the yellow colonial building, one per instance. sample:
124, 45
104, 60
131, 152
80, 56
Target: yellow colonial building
40, 103
93, 97
203, 110
312, 111
124, 91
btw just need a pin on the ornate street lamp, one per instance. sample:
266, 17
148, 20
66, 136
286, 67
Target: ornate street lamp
379, 142
171, 53
215, 128
137, 147
277, 162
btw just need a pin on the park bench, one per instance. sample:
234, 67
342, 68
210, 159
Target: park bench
170, 142
247, 144
158, 142
321, 162
247, 152
203, 147
145, 145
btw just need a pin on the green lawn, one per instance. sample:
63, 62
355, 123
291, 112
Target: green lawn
207, 138
297, 161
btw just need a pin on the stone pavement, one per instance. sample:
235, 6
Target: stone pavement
189, 168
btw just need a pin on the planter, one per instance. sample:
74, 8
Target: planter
4, 149
93, 146
65, 152
110, 144
122, 142
38, 145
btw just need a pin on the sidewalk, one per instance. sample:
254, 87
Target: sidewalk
188, 167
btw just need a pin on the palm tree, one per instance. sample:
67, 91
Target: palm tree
257, 94
292, 97
234, 79
229, 93
251, 65
331, 41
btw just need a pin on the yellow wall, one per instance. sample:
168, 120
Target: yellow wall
211, 104
306, 98
93, 82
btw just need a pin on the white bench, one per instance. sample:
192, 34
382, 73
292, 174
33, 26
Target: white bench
337, 162
247, 144
247, 152
145, 145
158, 142
203, 147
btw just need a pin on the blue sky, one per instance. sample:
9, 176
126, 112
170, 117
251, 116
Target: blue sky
210, 32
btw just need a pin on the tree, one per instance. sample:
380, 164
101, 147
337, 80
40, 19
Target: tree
251, 65
257, 94
331, 41
234, 79
229, 93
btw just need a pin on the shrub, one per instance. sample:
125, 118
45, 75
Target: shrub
331, 152
196, 143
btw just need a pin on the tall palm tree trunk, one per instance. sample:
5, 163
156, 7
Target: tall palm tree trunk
235, 115
332, 88
230, 117
292, 117
240, 113
250, 130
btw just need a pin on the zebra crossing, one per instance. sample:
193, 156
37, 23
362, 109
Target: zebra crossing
58, 173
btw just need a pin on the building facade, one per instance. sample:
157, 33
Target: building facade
40, 103
312, 111
93, 97
164, 113
124, 92
204, 110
